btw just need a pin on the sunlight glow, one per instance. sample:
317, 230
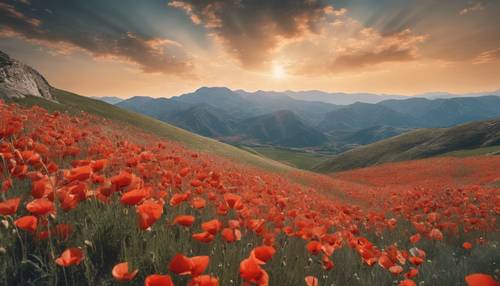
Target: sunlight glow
278, 71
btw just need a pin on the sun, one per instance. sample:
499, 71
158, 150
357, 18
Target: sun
278, 71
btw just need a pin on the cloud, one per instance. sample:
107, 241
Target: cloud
252, 31
489, 56
69, 26
472, 7
349, 46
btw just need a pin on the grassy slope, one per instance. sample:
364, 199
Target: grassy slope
299, 159
419, 144
74, 103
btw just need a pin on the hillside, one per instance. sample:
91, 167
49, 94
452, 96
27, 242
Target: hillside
418, 144
74, 104
205, 120
282, 128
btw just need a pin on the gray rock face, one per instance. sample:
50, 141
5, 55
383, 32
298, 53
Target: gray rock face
18, 80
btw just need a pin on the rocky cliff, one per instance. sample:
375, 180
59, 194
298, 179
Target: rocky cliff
18, 80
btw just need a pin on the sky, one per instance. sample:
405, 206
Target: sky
163, 48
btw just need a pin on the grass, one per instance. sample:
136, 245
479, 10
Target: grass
485, 151
75, 104
296, 158
418, 144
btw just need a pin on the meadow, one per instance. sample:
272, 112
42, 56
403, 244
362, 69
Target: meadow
91, 201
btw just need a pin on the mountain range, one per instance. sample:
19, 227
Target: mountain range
233, 116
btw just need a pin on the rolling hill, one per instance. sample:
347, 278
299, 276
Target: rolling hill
418, 144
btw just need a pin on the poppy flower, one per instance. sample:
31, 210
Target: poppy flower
40, 207
311, 281
178, 198
467, 245
133, 197
436, 234
415, 238
71, 256
181, 265
200, 264
232, 200
264, 253
121, 272
251, 271
396, 269
314, 247
9, 207
480, 279
149, 212
193, 266
158, 280
415, 260
27, 223
413, 272
79, 173
229, 235
385, 262
198, 203
407, 282
204, 237
212, 226
184, 220
204, 280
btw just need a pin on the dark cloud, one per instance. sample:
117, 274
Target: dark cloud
252, 29
101, 28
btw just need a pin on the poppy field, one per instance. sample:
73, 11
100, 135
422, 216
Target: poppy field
88, 201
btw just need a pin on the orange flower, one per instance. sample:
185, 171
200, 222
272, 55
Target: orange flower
264, 253
467, 245
212, 226
27, 223
40, 206
193, 266
311, 281
204, 280
158, 280
480, 279
71, 256
251, 271
149, 212
184, 220
407, 282
9, 207
314, 247
133, 197
121, 272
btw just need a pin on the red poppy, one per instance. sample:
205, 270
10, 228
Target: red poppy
480, 279
149, 212
311, 281
133, 197
314, 247
407, 282
212, 226
27, 223
251, 271
184, 220
121, 272
204, 237
232, 200
9, 207
264, 253
204, 280
158, 280
71, 256
40, 207
80, 173
467, 245
396, 269
181, 265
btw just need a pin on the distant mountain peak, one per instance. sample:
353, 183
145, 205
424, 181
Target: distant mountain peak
18, 80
